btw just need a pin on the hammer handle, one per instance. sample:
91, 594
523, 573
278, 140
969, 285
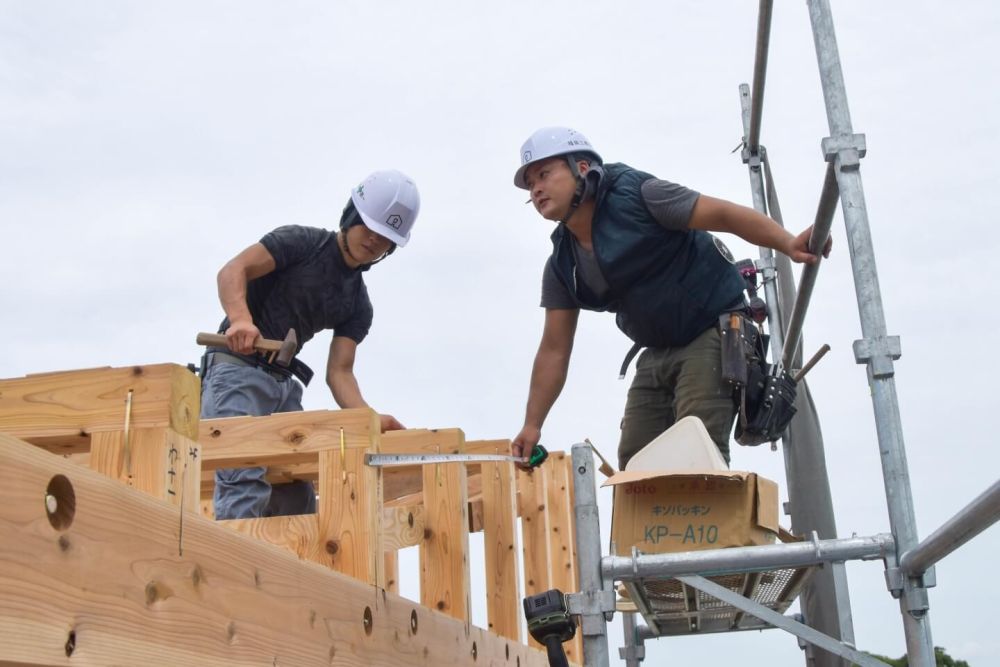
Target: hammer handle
218, 340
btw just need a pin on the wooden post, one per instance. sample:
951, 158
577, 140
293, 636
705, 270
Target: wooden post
444, 552
532, 492
503, 592
350, 510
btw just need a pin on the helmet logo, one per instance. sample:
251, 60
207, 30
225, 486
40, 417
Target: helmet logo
526, 157
361, 190
394, 221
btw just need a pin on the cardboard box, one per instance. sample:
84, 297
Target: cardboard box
669, 511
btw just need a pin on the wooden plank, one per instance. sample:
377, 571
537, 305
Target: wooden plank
444, 552
537, 559
69, 405
157, 461
285, 437
111, 577
503, 592
299, 533
350, 508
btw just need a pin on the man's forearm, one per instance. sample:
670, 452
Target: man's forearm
548, 376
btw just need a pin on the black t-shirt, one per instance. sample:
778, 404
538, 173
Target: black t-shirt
310, 289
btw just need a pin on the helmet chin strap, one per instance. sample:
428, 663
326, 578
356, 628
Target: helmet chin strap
581, 187
361, 265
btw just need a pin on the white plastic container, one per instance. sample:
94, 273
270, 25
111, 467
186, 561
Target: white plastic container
684, 446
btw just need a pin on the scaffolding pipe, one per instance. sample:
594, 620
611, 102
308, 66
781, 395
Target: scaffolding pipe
588, 547
760, 205
760, 73
973, 519
877, 350
821, 232
714, 562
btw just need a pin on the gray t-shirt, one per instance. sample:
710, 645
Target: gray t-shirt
669, 204
310, 289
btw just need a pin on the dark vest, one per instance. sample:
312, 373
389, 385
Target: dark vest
666, 287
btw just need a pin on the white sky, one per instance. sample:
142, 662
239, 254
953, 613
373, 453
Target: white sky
143, 144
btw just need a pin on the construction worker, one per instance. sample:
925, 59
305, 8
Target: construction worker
306, 279
629, 243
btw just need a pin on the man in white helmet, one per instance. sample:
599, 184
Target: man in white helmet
309, 280
632, 244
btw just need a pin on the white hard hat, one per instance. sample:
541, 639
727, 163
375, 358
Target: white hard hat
550, 142
388, 203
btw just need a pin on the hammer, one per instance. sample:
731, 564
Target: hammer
278, 352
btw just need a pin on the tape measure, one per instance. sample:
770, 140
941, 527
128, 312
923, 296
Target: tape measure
537, 457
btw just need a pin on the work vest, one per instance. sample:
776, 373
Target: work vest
666, 287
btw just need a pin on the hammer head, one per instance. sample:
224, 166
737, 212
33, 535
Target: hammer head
288, 348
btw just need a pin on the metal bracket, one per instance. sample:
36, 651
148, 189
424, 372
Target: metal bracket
846, 150
633, 653
913, 590
764, 264
752, 160
594, 608
878, 353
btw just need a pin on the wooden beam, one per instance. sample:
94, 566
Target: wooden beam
299, 533
60, 409
444, 552
106, 583
285, 437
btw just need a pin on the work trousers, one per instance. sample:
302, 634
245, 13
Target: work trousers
231, 390
674, 382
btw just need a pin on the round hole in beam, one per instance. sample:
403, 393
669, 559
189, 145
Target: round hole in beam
368, 620
60, 502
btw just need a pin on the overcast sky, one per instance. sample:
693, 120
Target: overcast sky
142, 144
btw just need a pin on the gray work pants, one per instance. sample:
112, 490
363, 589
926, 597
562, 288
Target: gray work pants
230, 390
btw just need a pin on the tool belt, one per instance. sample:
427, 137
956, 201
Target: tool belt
765, 393
296, 368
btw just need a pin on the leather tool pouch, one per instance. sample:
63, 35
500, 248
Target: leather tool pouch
764, 394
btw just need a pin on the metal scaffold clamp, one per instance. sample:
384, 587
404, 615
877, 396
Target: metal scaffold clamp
879, 353
846, 150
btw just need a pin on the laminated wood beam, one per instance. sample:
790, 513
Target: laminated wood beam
103, 580
282, 438
60, 410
